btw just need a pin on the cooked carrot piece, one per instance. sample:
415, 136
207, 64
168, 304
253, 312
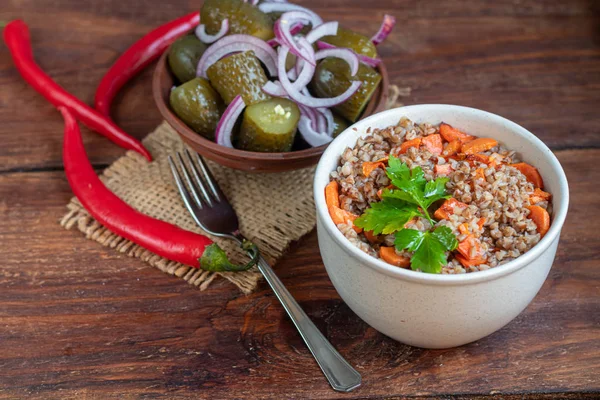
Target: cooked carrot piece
539, 195
479, 145
541, 218
469, 262
410, 143
434, 144
443, 169
531, 173
340, 216
369, 167
471, 250
372, 238
332, 194
464, 228
450, 134
452, 148
388, 254
481, 222
480, 158
480, 173
447, 209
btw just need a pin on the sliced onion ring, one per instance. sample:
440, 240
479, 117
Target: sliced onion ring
371, 62
206, 38
345, 54
326, 29
315, 20
307, 100
384, 31
228, 120
234, 44
296, 28
312, 137
284, 36
329, 118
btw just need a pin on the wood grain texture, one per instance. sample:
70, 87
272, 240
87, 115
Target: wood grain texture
80, 321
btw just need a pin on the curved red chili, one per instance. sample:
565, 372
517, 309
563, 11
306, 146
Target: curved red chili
139, 55
17, 38
159, 237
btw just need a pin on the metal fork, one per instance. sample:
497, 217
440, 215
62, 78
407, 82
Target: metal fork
213, 213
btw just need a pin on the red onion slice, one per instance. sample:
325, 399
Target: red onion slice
371, 62
228, 120
308, 100
386, 28
326, 29
206, 38
312, 137
329, 118
284, 36
345, 54
315, 20
293, 30
234, 44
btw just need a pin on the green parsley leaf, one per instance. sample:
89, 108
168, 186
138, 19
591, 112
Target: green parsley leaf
445, 236
387, 216
411, 197
398, 194
429, 247
435, 190
413, 187
409, 239
430, 256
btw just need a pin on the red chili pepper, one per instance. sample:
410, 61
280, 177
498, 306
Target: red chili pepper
159, 237
17, 38
138, 56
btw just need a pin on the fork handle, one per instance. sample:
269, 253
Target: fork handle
341, 376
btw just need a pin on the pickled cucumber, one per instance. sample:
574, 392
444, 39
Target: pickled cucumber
244, 18
198, 105
352, 40
184, 55
269, 127
332, 78
340, 123
239, 74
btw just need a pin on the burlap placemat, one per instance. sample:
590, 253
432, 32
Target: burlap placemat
274, 209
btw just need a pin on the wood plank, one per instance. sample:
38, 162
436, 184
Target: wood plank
535, 62
78, 320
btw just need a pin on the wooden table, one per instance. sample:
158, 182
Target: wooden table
79, 321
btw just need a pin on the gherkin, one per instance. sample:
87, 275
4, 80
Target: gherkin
352, 40
198, 105
183, 57
332, 78
269, 126
239, 74
340, 124
244, 18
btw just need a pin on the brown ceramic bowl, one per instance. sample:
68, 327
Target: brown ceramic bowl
163, 81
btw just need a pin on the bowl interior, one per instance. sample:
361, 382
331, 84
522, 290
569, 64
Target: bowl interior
162, 83
479, 123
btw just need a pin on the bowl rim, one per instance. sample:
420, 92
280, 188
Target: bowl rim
438, 279
183, 130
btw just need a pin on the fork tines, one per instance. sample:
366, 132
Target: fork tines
198, 180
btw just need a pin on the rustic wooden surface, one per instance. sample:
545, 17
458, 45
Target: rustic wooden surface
80, 321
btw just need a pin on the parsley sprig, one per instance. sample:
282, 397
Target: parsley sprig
411, 197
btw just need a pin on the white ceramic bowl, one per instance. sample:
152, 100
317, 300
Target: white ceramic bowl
440, 311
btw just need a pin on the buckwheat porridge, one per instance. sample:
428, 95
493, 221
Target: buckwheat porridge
436, 199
